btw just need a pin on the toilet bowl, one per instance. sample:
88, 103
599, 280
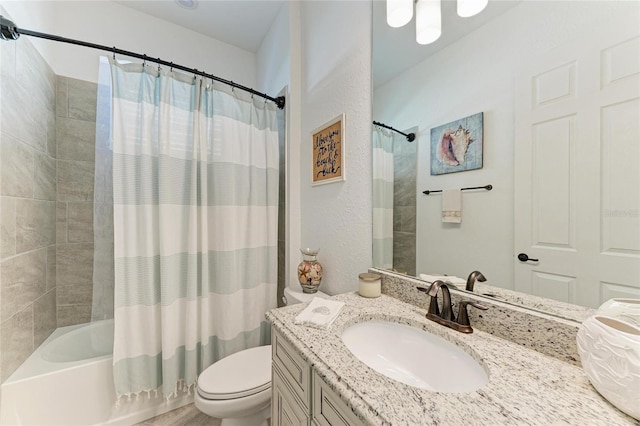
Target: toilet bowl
237, 389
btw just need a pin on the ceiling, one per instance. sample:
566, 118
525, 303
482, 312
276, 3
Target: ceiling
245, 23
242, 23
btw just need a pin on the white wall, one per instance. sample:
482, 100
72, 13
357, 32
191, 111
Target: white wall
477, 74
273, 55
335, 64
111, 24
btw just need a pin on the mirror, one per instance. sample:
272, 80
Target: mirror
558, 83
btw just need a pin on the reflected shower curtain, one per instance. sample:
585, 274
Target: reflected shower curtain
195, 187
382, 198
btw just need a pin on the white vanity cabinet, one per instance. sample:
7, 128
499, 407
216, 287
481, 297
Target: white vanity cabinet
300, 396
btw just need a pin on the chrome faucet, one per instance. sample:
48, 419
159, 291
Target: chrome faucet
473, 277
446, 316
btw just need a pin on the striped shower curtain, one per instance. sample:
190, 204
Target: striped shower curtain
382, 198
195, 187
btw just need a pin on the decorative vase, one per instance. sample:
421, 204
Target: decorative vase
627, 310
309, 271
609, 350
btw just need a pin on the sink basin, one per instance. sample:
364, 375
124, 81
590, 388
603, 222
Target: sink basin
415, 357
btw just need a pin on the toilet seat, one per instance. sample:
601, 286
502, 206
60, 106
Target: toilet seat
239, 375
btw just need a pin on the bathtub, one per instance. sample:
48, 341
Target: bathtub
68, 380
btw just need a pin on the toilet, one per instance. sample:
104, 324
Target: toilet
237, 388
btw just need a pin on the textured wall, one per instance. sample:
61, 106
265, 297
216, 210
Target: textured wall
27, 203
336, 78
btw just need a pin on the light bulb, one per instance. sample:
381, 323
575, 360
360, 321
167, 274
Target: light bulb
467, 8
399, 12
428, 21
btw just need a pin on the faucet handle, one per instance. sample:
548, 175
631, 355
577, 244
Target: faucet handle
463, 316
433, 304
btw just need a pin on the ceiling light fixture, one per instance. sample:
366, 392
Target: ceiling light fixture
428, 21
399, 12
188, 4
428, 15
467, 8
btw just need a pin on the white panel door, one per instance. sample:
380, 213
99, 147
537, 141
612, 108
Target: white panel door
577, 178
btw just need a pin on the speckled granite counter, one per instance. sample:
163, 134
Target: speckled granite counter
525, 387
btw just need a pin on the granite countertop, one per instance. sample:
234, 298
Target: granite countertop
525, 387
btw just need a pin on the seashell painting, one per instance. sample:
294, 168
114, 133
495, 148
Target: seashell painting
457, 146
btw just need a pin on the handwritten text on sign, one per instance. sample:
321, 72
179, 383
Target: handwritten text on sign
327, 153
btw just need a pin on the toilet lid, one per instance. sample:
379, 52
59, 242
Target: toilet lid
242, 374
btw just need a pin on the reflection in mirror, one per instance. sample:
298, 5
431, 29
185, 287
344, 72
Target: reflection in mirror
394, 199
558, 83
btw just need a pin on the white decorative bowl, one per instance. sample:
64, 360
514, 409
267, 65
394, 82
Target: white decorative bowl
623, 309
610, 353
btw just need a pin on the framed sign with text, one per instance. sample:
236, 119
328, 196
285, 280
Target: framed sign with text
328, 152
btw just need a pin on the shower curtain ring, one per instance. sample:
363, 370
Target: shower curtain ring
144, 60
159, 69
114, 53
171, 69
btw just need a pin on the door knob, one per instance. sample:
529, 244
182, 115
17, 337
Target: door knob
523, 257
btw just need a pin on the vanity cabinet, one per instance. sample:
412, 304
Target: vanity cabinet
299, 395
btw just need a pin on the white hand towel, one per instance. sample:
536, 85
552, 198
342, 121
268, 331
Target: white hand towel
446, 278
320, 313
452, 206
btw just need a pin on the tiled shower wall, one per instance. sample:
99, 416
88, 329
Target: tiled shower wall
27, 203
405, 174
47, 134
75, 135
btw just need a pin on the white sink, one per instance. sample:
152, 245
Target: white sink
415, 357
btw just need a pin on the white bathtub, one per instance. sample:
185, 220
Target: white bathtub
68, 381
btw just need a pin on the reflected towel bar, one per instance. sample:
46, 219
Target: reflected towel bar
487, 187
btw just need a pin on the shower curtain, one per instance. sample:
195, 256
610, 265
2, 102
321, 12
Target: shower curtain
195, 188
382, 198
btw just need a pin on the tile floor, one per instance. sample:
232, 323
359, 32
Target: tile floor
188, 415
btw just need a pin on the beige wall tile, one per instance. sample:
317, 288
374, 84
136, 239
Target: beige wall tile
7, 227
79, 294
21, 115
44, 317
61, 223
74, 264
75, 139
80, 222
75, 180
8, 59
35, 224
83, 96
23, 280
61, 97
51, 267
44, 177
16, 167
73, 314
17, 341
33, 72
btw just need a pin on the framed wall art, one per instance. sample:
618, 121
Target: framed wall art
327, 153
457, 146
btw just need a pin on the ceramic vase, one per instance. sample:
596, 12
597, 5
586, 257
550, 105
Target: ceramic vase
309, 271
610, 353
627, 310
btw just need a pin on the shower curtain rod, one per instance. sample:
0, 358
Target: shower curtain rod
9, 31
410, 136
